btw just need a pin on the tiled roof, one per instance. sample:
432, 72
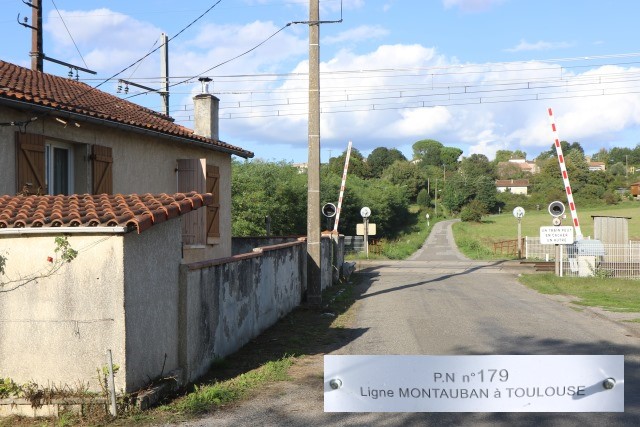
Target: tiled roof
135, 212
66, 95
512, 183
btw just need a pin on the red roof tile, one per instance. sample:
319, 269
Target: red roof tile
135, 212
66, 95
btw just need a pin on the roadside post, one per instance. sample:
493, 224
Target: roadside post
427, 220
365, 212
518, 212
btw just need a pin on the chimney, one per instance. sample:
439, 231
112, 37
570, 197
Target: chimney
206, 108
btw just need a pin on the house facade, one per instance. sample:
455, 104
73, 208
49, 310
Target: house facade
514, 186
59, 136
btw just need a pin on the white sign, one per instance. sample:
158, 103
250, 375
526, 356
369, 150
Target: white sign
365, 212
371, 230
511, 383
518, 212
557, 235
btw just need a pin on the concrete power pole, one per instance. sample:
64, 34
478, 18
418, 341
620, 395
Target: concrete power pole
164, 59
314, 285
36, 36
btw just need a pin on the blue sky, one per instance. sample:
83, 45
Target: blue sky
474, 74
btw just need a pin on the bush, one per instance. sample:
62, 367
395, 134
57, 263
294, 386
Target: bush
423, 198
472, 212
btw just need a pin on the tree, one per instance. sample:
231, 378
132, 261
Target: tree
428, 152
381, 158
450, 156
477, 165
261, 189
407, 175
357, 165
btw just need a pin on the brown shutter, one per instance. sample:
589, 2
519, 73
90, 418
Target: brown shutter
213, 210
191, 177
102, 167
30, 171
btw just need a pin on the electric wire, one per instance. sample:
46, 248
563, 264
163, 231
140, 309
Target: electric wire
69, 32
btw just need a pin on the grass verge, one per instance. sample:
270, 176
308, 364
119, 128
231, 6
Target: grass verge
610, 294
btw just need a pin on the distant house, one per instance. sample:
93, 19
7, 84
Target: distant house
522, 164
635, 189
514, 186
597, 166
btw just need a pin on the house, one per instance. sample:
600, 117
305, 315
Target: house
596, 166
60, 136
514, 186
519, 164
145, 202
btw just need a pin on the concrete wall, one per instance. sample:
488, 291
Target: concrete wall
128, 293
151, 296
226, 303
141, 164
56, 330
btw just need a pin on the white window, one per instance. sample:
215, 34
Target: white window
58, 160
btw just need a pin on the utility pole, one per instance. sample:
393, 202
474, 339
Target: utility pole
314, 284
164, 59
36, 36
37, 49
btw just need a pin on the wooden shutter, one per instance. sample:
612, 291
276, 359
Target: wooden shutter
191, 177
30, 163
102, 169
213, 210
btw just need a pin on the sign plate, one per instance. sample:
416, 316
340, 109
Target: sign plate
507, 383
558, 235
371, 229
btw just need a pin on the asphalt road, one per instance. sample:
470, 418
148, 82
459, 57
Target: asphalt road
440, 303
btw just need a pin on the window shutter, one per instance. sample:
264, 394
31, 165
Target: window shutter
102, 169
30, 164
213, 210
191, 177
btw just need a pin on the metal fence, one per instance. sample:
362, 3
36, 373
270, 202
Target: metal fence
588, 258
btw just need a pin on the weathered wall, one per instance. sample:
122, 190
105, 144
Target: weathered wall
242, 245
226, 303
151, 275
56, 330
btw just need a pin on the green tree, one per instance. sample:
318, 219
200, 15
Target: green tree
407, 175
428, 151
261, 189
477, 165
357, 164
381, 158
450, 156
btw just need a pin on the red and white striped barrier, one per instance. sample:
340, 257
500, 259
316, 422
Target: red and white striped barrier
565, 177
344, 180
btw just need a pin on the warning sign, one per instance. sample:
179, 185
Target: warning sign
556, 235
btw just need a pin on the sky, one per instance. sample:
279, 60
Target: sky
479, 75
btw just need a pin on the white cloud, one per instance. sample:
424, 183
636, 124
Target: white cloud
107, 40
525, 46
363, 32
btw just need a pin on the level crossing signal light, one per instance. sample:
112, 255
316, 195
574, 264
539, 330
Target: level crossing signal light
556, 210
